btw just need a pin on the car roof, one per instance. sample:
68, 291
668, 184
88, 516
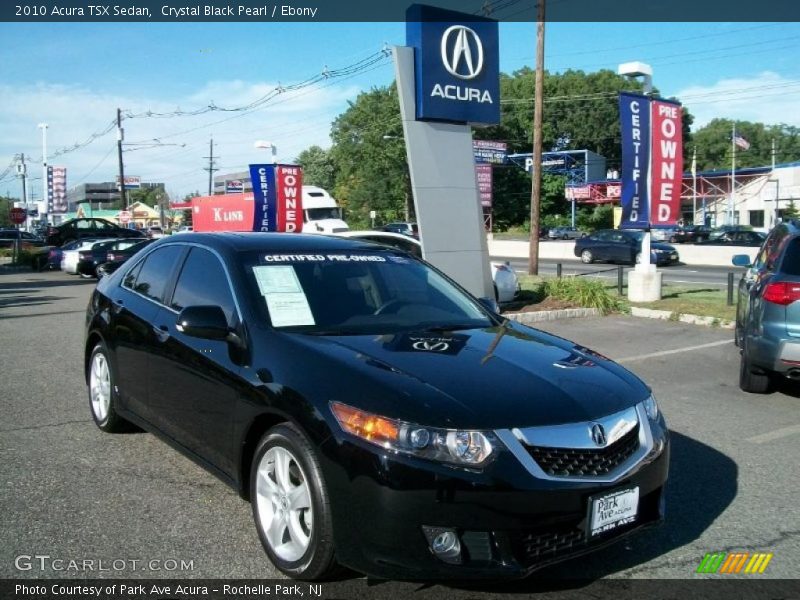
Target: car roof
277, 242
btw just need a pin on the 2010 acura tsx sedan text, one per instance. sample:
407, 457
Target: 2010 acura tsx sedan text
374, 414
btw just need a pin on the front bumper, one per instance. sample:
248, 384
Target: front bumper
509, 522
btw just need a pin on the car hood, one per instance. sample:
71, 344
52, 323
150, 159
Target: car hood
497, 377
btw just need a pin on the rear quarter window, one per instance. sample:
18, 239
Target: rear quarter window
791, 258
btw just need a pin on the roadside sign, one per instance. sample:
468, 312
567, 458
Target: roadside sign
124, 217
17, 215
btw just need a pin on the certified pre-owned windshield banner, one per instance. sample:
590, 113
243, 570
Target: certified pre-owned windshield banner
634, 113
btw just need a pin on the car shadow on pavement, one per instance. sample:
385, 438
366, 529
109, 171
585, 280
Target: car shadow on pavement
33, 284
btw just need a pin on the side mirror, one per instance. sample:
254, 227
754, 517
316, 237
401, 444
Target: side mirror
741, 260
490, 304
206, 322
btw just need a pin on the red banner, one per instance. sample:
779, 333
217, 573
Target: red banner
229, 212
289, 193
666, 171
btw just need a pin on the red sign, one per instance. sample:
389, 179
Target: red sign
17, 215
124, 217
666, 170
484, 176
228, 212
289, 194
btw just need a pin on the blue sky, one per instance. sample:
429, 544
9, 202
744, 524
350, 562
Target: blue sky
73, 76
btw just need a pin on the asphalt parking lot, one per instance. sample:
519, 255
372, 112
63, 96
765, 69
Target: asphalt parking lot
72, 492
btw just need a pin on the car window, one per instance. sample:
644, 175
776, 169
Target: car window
103, 225
155, 272
791, 258
82, 224
203, 282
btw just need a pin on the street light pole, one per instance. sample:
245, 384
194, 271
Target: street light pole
45, 196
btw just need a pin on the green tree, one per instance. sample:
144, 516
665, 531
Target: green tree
6, 204
318, 167
714, 148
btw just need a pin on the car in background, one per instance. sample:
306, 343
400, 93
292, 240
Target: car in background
70, 258
504, 278
375, 415
690, 234
79, 229
116, 258
736, 238
768, 311
565, 233
90, 258
718, 231
9, 237
409, 229
622, 246
662, 234
184, 229
154, 232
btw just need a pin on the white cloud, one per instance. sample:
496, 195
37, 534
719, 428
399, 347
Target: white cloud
292, 120
767, 97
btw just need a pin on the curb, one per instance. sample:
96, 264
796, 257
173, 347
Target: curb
665, 315
551, 315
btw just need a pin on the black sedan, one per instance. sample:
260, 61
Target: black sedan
616, 245
690, 234
78, 229
373, 413
116, 258
89, 260
752, 239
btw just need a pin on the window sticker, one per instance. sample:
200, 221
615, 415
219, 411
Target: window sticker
301, 258
286, 301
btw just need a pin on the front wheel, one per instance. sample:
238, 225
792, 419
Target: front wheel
291, 506
586, 257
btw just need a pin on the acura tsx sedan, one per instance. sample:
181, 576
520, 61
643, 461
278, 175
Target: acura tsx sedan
375, 415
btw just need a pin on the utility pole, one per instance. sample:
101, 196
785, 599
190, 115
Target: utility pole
120, 137
536, 167
210, 168
45, 197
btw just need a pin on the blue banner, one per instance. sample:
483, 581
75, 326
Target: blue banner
264, 198
634, 114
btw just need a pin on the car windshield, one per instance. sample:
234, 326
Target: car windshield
317, 214
357, 293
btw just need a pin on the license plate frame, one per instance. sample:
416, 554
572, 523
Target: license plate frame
622, 506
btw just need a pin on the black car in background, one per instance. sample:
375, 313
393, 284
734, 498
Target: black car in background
409, 229
736, 238
622, 246
89, 260
77, 229
9, 237
373, 413
690, 234
116, 258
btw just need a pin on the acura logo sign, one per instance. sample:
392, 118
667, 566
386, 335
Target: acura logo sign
463, 57
429, 346
598, 434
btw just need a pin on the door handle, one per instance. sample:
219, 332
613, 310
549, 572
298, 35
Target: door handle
162, 332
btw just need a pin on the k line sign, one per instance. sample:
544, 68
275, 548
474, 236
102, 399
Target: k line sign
652, 162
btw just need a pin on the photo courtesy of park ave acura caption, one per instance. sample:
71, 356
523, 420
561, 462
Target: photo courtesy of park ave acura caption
476, 299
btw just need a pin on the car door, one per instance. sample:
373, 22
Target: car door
195, 383
134, 306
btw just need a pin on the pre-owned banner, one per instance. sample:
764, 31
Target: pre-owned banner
289, 195
634, 112
666, 167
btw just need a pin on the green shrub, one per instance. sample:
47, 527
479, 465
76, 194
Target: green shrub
588, 293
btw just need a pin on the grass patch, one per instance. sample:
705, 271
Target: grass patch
701, 301
574, 291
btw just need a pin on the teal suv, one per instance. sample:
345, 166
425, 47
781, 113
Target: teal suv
768, 311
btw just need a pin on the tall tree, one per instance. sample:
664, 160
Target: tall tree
318, 167
714, 150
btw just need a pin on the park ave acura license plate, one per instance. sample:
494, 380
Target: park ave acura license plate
611, 510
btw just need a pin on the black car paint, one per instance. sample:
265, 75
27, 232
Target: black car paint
100, 228
621, 251
213, 401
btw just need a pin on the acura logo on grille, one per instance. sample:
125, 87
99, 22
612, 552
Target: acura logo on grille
429, 346
598, 434
461, 63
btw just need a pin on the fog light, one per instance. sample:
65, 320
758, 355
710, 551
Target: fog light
444, 543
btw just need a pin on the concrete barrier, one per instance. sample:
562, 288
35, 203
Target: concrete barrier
690, 254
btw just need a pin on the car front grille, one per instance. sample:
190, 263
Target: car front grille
583, 462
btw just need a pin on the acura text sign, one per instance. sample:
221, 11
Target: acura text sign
456, 62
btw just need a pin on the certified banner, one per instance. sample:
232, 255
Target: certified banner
634, 112
264, 209
289, 195
666, 171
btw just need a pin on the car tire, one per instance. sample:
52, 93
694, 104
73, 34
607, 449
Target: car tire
86, 275
673, 240
290, 505
587, 257
102, 393
737, 335
752, 381
565, 237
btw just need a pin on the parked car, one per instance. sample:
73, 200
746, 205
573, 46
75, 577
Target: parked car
768, 312
375, 415
663, 234
8, 237
736, 238
116, 258
409, 229
718, 231
78, 229
617, 245
70, 258
506, 282
690, 234
185, 229
154, 232
91, 258
565, 233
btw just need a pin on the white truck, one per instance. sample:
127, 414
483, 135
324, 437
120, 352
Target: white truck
321, 214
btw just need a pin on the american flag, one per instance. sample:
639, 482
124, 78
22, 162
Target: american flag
741, 142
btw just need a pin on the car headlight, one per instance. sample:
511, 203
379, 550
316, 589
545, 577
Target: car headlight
651, 408
459, 447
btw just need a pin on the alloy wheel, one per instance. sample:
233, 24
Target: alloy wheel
100, 387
